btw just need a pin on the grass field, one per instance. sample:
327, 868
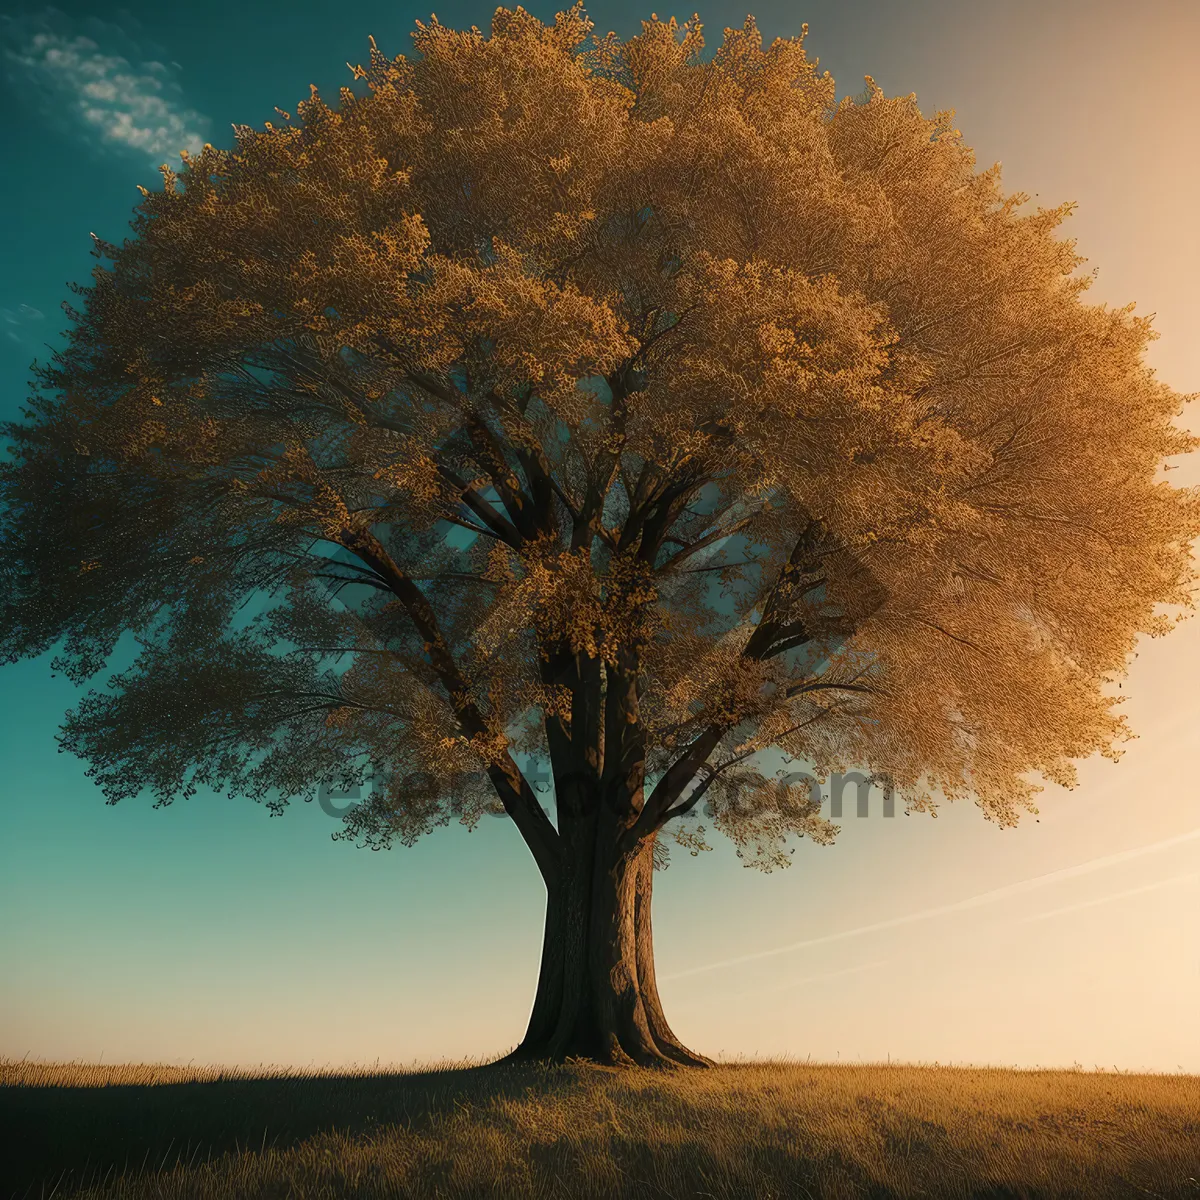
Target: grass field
744, 1131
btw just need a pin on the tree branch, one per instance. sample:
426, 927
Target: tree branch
811, 548
498, 525
511, 786
683, 808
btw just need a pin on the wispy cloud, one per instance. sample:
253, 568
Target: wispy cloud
755, 993
93, 79
795, 983
17, 322
1187, 877
1002, 893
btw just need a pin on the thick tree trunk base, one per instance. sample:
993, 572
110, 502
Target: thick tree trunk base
671, 1057
597, 997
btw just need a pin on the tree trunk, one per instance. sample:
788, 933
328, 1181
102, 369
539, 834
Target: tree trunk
664, 1037
597, 997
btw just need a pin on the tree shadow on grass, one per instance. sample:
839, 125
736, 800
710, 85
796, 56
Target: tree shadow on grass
69, 1136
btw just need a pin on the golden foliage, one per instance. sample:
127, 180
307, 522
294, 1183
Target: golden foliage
618, 312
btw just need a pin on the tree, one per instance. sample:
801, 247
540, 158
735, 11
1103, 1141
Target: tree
568, 397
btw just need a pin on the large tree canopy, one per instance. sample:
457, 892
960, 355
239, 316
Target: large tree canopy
587, 399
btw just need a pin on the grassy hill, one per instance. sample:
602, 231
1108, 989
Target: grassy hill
766, 1131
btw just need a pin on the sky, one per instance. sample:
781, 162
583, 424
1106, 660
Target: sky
211, 932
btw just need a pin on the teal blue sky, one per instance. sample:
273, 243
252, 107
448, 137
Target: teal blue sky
209, 931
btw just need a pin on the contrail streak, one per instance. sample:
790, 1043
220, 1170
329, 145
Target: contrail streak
794, 983
782, 987
1002, 893
1149, 887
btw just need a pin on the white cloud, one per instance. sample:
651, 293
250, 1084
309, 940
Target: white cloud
16, 322
103, 86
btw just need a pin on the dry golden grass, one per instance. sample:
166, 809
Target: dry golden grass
740, 1131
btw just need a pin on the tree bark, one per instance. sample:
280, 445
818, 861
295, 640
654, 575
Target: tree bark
597, 998
664, 1037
